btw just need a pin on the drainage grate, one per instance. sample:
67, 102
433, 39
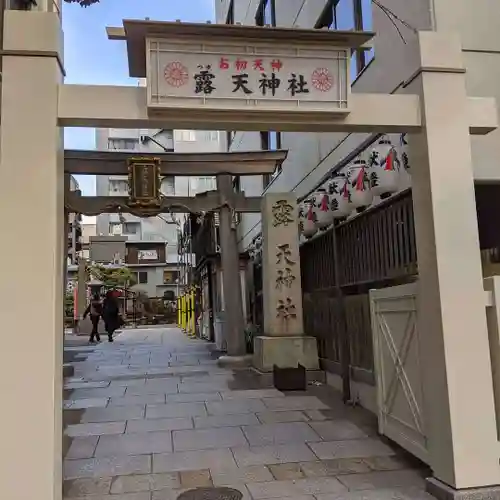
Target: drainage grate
211, 494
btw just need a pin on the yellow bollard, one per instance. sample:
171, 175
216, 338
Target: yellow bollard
183, 312
178, 312
190, 317
187, 313
193, 314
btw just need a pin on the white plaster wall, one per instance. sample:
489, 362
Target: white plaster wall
156, 228
221, 7
478, 24
312, 155
155, 286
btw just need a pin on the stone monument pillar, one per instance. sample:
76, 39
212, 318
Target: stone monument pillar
284, 343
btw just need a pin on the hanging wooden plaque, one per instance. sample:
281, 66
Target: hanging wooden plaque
144, 183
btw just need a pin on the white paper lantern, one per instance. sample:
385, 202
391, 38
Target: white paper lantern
324, 214
307, 218
258, 248
403, 145
384, 165
339, 196
360, 194
251, 250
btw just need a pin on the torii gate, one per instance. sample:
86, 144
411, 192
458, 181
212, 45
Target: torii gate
435, 110
225, 201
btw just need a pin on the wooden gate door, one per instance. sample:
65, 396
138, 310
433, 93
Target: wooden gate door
398, 367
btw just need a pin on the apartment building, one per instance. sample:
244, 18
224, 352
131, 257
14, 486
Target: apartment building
312, 156
74, 229
152, 243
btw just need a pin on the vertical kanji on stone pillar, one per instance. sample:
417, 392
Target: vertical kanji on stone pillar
282, 291
284, 342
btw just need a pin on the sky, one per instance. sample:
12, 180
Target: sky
90, 58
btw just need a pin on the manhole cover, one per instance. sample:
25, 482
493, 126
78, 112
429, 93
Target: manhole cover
211, 494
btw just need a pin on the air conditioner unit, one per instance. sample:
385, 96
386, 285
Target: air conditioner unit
117, 229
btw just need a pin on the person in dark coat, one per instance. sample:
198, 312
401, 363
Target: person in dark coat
95, 310
111, 314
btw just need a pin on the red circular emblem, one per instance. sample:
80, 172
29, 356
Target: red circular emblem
322, 79
176, 74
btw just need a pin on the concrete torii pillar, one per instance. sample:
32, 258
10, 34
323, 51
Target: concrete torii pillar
457, 379
31, 257
234, 323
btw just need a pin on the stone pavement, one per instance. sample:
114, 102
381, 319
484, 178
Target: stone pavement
152, 415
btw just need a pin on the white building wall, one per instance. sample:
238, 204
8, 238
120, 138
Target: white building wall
478, 24
313, 155
162, 228
156, 228
155, 287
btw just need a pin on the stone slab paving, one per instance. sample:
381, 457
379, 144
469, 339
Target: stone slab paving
152, 415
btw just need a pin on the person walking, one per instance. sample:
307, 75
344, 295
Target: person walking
95, 310
111, 314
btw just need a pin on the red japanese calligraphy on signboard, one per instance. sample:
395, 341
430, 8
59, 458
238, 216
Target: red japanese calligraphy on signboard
253, 76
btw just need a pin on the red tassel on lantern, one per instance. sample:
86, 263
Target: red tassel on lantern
389, 161
310, 213
345, 191
360, 181
324, 206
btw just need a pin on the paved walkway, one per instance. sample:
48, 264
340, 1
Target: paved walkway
151, 416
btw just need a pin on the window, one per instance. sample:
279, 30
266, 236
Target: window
115, 228
185, 135
266, 13
202, 184
118, 143
168, 186
366, 25
209, 135
270, 141
230, 13
237, 184
170, 277
142, 277
131, 227
118, 228
118, 187
230, 138
274, 141
345, 15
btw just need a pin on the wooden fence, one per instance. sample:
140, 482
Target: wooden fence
373, 250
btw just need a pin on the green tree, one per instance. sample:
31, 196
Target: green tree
113, 278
